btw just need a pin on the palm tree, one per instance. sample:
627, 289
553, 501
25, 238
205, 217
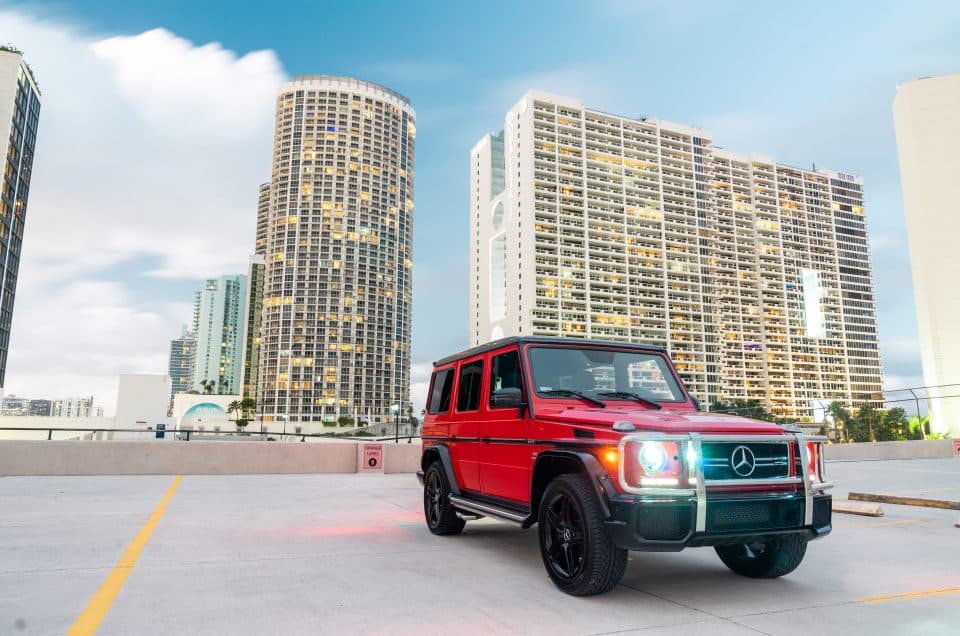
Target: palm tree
248, 406
841, 417
233, 407
208, 386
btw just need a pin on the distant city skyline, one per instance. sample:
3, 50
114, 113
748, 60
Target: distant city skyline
205, 136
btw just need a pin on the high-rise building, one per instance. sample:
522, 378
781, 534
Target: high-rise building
263, 218
218, 327
926, 113
40, 408
251, 338
755, 275
75, 407
19, 114
335, 337
180, 366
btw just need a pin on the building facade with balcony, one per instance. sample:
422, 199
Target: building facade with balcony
180, 364
755, 275
335, 327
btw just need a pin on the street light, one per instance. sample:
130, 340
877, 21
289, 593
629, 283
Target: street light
395, 408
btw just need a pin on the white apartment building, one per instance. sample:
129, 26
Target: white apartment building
755, 275
926, 113
335, 327
75, 407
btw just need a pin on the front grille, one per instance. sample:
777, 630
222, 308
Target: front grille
772, 460
664, 522
754, 515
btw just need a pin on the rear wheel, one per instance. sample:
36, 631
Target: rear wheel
577, 552
439, 513
766, 558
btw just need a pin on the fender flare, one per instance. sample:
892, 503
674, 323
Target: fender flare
590, 466
441, 451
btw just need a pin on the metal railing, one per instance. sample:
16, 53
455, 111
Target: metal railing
188, 434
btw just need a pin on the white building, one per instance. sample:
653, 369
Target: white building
755, 275
75, 407
143, 400
926, 113
335, 328
219, 319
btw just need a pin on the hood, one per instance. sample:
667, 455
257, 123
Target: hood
663, 421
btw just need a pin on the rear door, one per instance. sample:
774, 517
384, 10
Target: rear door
505, 456
464, 428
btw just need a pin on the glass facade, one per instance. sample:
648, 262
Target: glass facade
22, 114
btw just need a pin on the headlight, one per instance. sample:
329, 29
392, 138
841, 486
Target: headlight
652, 457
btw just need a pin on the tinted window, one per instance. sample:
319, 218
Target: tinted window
505, 372
471, 376
440, 396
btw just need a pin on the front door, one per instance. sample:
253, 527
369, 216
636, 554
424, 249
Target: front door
505, 456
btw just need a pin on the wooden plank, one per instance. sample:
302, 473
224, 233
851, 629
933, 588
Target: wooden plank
905, 501
857, 508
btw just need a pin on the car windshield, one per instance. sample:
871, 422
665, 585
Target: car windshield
608, 373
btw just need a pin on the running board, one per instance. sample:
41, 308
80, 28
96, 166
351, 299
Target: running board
470, 505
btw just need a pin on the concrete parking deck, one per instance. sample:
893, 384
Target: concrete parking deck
349, 554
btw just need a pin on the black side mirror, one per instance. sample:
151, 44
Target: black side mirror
507, 398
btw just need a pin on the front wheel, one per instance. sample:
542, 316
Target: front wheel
439, 513
766, 558
577, 551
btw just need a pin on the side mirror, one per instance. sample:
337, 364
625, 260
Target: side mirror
507, 398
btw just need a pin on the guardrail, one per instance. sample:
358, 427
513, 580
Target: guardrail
186, 434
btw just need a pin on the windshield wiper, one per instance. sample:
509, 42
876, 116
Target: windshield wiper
631, 396
571, 393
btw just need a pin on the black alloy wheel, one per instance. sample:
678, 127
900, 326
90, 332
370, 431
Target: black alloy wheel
578, 553
564, 541
440, 515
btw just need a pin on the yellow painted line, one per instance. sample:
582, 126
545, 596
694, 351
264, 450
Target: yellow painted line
88, 621
907, 596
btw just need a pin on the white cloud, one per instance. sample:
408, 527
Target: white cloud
150, 150
419, 385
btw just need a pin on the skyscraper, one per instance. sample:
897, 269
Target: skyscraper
251, 342
926, 113
754, 274
19, 115
180, 366
335, 337
218, 326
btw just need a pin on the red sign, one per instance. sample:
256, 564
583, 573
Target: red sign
371, 458
956, 447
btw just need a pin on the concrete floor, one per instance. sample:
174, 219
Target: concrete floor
349, 554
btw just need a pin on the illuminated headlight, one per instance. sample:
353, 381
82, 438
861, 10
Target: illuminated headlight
652, 457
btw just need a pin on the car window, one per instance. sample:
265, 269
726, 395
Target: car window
505, 372
440, 395
471, 377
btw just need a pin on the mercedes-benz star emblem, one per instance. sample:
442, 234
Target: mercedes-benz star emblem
743, 461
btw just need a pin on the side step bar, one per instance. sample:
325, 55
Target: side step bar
490, 510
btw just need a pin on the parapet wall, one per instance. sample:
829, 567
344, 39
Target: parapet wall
193, 458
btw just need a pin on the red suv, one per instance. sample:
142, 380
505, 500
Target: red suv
602, 446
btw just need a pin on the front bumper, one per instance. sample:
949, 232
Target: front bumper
662, 524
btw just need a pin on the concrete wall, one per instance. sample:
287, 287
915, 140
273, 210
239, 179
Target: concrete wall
42, 423
914, 449
193, 458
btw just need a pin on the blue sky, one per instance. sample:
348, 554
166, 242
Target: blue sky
803, 82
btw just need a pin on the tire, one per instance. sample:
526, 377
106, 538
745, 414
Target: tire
768, 558
578, 553
439, 513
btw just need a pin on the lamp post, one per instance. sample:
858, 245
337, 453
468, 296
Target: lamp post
396, 410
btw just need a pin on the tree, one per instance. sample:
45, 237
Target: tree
345, 420
840, 416
233, 407
862, 427
208, 386
248, 406
893, 425
241, 424
744, 408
